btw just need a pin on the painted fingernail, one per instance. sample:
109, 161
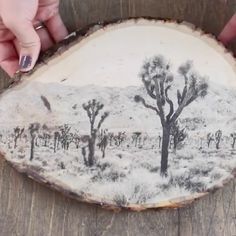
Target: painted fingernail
25, 62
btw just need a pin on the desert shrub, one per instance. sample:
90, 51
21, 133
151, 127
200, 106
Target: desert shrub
216, 176
109, 176
155, 169
195, 186
62, 165
97, 177
177, 181
141, 194
187, 183
203, 171
150, 167
114, 176
44, 163
21, 156
164, 187
120, 199
103, 166
146, 165
182, 157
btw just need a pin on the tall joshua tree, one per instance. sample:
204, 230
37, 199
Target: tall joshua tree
93, 108
33, 128
158, 79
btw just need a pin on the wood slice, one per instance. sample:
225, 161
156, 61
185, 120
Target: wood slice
135, 114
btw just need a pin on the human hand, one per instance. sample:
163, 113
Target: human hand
228, 34
20, 43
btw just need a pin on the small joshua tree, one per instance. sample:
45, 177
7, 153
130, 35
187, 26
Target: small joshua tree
136, 138
17, 134
210, 138
57, 138
157, 78
178, 134
119, 138
233, 136
218, 138
76, 140
111, 137
103, 143
64, 136
46, 138
93, 108
33, 129
46, 135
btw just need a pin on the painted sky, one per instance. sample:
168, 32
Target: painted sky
114, 58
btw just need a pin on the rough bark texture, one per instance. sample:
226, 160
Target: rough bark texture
29, 209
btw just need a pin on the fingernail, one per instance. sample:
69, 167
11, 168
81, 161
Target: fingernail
25, 62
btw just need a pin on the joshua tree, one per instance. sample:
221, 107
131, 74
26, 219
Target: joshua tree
33, 128
111, 138
17, 134
136, 138
157, 79
233, 136
178, 134
218, 138
45, 136
64, 136
119, 138
210, 138
145, 138
76, 140
93, 108
103, 143
57, 138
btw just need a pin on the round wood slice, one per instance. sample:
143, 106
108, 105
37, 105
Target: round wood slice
135, 114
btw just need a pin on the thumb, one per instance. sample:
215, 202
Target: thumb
29, 43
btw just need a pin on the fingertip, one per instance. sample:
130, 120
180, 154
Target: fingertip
229, 31
29, 55
56, 28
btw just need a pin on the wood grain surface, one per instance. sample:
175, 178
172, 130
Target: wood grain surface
29, 209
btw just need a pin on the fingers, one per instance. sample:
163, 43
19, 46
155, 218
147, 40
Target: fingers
8, 58
29, 43
229, 32
56, 27
45, 38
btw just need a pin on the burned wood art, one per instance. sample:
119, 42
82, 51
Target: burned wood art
136, 114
